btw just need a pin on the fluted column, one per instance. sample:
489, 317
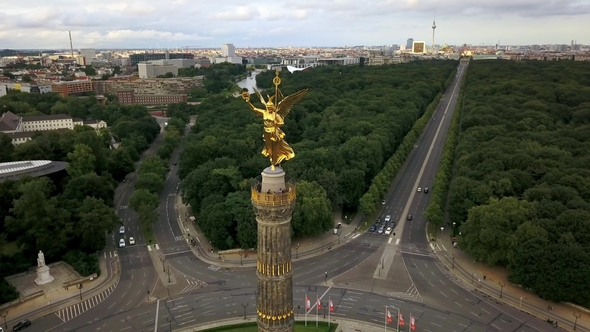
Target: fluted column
273, 201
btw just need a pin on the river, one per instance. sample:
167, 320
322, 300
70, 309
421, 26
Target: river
250, 82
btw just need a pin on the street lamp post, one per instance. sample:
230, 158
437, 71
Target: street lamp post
297, 251
339, 237
241, 255
80, 286
168, 272
441, 231
324, 305
163, 260
501, 287
472, 275
326, 275
453, 266
169, 323
453, 231
245, 306
322, 246
520, 304
577, 315
4, 316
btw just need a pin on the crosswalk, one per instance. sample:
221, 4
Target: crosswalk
179, 238
192, 285
111, 254
77, 309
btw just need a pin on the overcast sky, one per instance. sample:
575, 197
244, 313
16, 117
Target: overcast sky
277, 23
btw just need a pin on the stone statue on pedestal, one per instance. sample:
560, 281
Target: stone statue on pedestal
43, 276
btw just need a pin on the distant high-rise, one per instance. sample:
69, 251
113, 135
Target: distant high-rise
88, 54
228, 50
409, 43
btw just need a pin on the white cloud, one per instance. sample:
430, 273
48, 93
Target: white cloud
141, 23
240, 13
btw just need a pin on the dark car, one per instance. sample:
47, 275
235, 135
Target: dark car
372, 229
22, 325
410, 217
426, 190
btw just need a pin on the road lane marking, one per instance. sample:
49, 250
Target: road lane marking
390, 240
441, 317
397, 241
487, 312
457, 303
443, 294
454, 291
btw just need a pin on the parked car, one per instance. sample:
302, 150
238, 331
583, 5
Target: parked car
380, 231
419, 189
388, 231
383, 202
122, 243
426, 190
122, 230
410, 217
372, 229
392, 224
131, 241
23, 324
387, 218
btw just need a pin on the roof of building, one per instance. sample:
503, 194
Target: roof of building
46, 117
14, 170
9, 121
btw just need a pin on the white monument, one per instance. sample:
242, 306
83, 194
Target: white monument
43, 276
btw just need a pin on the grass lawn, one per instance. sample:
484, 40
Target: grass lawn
370, 220
148, 234
299, 327
10, 248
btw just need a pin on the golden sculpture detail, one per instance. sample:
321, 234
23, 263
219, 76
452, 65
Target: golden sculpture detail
273, 117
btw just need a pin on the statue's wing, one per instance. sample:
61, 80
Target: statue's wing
284, 107
260, 96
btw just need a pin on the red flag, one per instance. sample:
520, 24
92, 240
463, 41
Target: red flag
331, 306
319, 305
389, 318
401, 320
412, 323
307, 303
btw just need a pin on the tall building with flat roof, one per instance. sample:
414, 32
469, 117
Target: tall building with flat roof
409, 43
141, 57
228, 50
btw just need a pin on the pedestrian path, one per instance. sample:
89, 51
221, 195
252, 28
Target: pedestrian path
110, 254
77, 309
179, 238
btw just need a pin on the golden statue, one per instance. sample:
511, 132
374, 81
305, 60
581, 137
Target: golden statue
273, 117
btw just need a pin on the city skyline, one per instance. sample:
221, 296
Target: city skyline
152, 24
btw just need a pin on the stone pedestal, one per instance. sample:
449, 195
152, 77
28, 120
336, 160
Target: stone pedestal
43, 276
273, 200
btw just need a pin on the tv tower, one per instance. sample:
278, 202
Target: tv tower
433, 28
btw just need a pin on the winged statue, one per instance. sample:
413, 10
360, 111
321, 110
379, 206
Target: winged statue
273, 117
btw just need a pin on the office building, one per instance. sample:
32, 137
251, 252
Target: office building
71, 87
419, 47
228, 50
409, 43
134, 59
130, 98
151, 70
86, 56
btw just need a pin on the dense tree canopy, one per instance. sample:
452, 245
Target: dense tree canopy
521, 188
67, 215
343, 131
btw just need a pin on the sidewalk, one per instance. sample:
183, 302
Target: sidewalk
61, 298
301, 248
496, 284
344, 325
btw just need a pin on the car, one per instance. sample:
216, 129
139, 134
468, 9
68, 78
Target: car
419, 189
122, 243
426, 190
392, 224
410, 217
131, 240
387, 218
388, 231
379, 220
22, 325
122, 230
380, 231
383, 202
372, 229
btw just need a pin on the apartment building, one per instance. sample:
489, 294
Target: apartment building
151, 70
24, 87
21, 129
71, 87
130, 98
163, 86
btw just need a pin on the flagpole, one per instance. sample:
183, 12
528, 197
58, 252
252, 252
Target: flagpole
329, 309
305, 306
385, 316
317, 311
397, 319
